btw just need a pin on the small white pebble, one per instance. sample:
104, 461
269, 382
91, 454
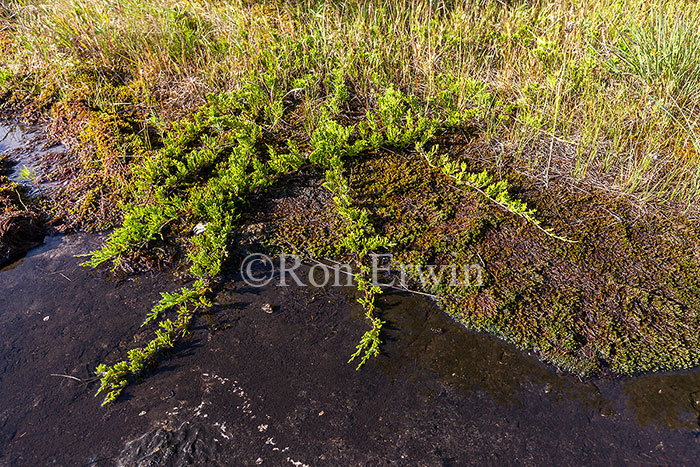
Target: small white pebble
200, 228
46, 318
259, 461
142, 413
321, 413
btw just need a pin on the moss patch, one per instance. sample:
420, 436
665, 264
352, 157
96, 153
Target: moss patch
621, 299
96, 173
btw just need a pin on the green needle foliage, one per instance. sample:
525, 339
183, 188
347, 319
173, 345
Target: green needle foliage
200, 177
330, 148
663, 53
482, 182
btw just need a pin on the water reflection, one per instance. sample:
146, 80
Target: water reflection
10, 136
469, 361
26, 148
672, 400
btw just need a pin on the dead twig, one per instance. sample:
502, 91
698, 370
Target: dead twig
67, 376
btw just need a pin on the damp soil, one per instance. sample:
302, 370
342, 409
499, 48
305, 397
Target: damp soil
255, 388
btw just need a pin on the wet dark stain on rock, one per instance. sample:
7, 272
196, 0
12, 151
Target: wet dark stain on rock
276, 388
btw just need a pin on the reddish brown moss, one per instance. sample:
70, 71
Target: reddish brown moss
621, 299
96, 171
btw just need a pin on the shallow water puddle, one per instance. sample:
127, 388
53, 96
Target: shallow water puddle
29, 156
419, 337
11, 136
671, 400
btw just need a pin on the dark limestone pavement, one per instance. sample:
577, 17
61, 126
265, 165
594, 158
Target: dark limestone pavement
256, 388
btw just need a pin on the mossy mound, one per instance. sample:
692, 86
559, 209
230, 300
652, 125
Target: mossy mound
621, 297
96, 172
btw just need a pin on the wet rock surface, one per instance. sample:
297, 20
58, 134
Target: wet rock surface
255, 388
25, 158
29, 153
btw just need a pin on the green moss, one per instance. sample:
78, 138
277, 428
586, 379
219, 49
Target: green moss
622, 298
